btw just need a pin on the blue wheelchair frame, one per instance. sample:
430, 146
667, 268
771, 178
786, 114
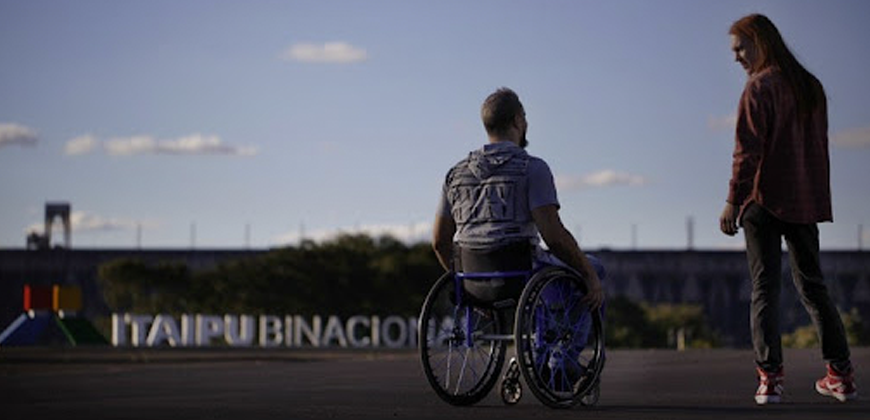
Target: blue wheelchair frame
538, 347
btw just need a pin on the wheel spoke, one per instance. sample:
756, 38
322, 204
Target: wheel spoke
459, 363
560, 338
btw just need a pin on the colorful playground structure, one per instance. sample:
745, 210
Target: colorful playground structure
50, 319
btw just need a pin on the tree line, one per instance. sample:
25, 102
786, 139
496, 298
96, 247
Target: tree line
352, 274
346, 276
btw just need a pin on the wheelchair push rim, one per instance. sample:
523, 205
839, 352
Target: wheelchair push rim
462, 368
560, 341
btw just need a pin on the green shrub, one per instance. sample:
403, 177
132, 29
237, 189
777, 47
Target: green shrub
807, 336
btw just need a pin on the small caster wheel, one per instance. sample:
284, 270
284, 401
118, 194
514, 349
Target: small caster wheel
511, 389
591, 398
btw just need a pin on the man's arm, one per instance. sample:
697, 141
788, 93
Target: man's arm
442, 240
563, 245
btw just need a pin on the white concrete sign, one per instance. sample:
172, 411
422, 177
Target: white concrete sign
202, 330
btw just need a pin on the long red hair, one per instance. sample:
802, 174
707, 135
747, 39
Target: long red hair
772, 52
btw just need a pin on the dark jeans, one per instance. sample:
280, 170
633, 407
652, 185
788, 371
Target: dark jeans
764, 233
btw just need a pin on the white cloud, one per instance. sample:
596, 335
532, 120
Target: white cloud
330, 52
81, 145
11, 133
126, 146
722, 123
195, 144
853, 138
83, 222
605, 178
410, 233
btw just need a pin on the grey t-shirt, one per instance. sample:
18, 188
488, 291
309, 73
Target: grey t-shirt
491, 193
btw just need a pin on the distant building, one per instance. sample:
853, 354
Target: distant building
36, 240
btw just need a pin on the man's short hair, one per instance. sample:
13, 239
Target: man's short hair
499, 109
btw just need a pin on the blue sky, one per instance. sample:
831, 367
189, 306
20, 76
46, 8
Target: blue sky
225, 124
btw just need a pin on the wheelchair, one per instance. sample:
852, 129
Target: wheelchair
496, 298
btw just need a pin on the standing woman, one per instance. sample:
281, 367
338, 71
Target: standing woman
780, 188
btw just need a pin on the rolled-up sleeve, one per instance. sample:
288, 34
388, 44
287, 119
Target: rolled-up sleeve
444, 208
542, 188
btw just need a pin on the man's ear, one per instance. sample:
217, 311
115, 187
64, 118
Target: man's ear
518, 123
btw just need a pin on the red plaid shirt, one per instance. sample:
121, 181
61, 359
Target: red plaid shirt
780, 163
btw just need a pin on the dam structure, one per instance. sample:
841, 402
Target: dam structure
716, 280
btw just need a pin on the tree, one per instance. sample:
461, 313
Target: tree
349, 275
807, 336
688, 321
632, 325
627, 326
129, 285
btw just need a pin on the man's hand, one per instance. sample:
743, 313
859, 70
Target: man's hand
595, 294
563, 245
728, 219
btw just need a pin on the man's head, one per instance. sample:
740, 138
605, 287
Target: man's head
504, 117
757, 44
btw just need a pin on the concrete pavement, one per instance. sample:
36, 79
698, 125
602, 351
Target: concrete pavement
296, 384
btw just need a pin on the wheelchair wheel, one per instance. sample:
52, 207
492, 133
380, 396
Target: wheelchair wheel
461, 356
560, 342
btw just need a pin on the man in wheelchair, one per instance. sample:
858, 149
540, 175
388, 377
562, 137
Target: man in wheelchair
496, 201
495, 204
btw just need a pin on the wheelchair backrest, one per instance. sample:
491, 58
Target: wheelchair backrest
514, 257
494, 276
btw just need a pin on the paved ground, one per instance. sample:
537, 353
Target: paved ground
257, 384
